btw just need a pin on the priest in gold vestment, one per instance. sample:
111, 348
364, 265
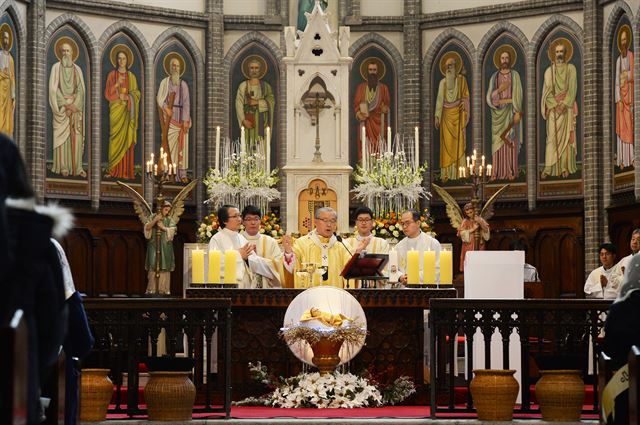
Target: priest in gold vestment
320, 247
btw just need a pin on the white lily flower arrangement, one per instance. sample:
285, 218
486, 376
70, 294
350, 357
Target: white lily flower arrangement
335, 390
390, 182
242, 180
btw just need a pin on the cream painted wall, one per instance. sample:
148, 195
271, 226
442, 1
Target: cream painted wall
190, 5
394, 37
633, 5
230, 37
382, 7
22, 11
99, 24
433, 6
529, 26
244, 7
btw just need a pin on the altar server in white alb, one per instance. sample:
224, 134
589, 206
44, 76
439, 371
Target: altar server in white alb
247, 262
604, 282
265, 247
416, 240
364, 225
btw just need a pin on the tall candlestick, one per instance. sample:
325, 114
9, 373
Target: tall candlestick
217, 147
480, 173
213, 275
489, 170
429, 267
446, 268
241, 139
413, 267
230, 257
197, 266
389, 139
268, 151
417, 148
483, 160
363, 142
155, 169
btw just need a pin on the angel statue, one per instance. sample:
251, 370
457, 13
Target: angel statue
473, 228
159, 229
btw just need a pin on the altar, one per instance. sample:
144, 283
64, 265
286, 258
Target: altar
394, 346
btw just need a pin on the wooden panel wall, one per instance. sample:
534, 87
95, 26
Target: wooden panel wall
107, 253
553, 236
622, 221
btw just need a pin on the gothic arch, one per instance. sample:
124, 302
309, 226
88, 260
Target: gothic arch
446, 36
498, 30
394, 55
9, 6
130, 31
83, 30
550, 25
619, 11
189, 44
264, 42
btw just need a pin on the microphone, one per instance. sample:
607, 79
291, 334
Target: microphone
339, 239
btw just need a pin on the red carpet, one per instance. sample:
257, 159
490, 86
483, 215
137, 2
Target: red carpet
401, 412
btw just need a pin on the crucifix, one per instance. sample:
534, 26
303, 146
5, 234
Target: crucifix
315, 100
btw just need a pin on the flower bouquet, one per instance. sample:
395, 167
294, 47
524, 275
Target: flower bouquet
389, 182
387, 225
242, 180
336, 390
270, 225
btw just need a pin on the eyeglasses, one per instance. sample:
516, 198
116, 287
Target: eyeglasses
363, 220
406, 223
327, 220
252, 219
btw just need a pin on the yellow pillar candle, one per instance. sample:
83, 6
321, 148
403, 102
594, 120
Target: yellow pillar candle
446, 268
213, 276
429, 267
413, 267
230, 257
197, 266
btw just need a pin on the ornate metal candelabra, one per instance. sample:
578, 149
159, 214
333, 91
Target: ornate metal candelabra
160, 173
479, 173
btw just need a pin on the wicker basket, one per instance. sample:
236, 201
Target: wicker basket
494, 393
169, 396
96, 390
560, 394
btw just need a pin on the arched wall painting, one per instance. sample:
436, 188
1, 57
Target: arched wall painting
622, 122
504, 110
8, 75
122, 113
559, 116
254, 78
68, 120
175, 102
375, 109
451, 91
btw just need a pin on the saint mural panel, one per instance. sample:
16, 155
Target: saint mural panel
175, 97
122, 135
254, 90
67, 118
504, 112
559, 70
622, 121
8, 58
373, 86
451, 122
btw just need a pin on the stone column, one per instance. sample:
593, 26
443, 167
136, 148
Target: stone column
594, 214
412, 44
214, 83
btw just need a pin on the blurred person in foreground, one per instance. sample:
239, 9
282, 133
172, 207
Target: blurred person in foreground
32, 276
622, 330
